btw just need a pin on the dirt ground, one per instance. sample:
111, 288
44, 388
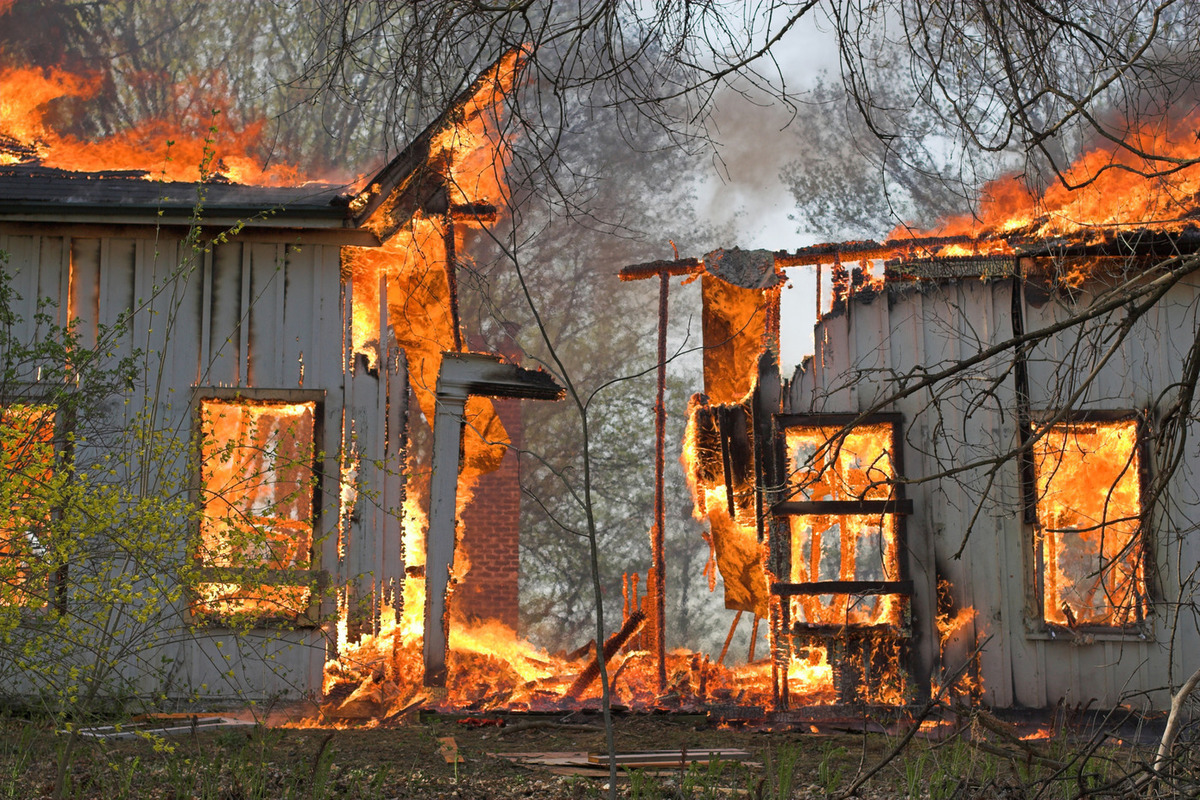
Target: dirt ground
414, 760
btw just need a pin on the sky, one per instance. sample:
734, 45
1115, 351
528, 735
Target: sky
744, 187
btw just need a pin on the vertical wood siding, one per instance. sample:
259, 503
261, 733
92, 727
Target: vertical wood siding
266, 315
866, 353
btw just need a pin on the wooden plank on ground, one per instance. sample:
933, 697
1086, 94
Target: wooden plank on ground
672, 758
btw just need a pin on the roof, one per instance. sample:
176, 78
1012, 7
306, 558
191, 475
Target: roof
31, 193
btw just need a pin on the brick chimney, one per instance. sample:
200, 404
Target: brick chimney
491, 521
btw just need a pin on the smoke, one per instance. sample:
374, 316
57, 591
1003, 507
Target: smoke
743, 195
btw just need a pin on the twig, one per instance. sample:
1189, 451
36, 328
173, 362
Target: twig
1028, 755
1170, 732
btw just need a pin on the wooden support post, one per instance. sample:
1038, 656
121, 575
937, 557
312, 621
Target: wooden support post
440, 538
461, 375
452, 278
729, 638
657, 545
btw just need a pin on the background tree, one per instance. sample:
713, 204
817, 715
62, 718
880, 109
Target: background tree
640, 196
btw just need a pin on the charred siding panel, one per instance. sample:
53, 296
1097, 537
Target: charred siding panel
377, 403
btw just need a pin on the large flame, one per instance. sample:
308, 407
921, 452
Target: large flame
213, 140
257, 487
1106, 188
828, 465
1089, 514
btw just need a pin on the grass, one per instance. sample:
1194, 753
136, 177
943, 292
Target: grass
382, 764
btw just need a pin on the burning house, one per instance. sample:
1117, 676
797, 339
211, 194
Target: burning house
976, 485
979, 485
298, 333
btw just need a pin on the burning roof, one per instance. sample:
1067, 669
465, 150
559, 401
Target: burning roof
45, 176
33, 193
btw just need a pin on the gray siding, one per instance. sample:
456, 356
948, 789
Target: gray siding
258, 313
878, 347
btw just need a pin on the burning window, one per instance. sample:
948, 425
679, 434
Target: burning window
1089, 514
258, 494
26, 502
844, 602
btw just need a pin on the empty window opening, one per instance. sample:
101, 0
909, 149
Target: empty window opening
1089, 529
832, 543
258, 494
845, 601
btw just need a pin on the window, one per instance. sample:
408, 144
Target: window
837, 545
842, 521
258, 486
27, 442
1089, 521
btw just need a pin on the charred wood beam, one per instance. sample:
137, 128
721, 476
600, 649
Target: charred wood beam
729, 638
841, 507
809, 256
652, 269
806, 588
474, 212
726, 463
615, 642
768, 449
657, 575
868, 250
735, 426
452, 278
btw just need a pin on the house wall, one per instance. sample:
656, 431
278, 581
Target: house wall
259, 311
967, 526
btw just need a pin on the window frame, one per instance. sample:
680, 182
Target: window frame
314, 577
1037, 626
64, 453
896, 505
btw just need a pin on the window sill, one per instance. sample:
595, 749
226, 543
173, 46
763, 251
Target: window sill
1082, 638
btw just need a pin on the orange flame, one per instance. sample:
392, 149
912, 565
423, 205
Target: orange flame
1111, 191
848, 547
26, 469
156, 146
1089, 510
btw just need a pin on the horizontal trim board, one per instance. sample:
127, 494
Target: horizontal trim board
146, 227
840, 420
808, 588
817, 508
